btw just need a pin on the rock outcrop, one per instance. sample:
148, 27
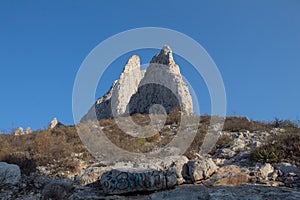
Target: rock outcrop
54, 124
19, 131
139, 91
28, 130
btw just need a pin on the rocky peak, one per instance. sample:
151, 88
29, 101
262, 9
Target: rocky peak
165, 57
132, 63
137, 90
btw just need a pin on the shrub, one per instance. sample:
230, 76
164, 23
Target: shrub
283, 147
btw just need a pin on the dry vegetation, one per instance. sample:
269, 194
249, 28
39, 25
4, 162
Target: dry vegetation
284, 147
58, 146
41, 148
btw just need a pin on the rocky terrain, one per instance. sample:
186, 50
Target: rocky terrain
239, 167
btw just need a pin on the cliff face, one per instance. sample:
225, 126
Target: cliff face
140, 91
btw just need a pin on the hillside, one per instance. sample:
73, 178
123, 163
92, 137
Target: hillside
246, 153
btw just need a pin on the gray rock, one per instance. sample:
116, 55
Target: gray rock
198, 170
124, 181
57, 189
287, 168
225, 153
247, 192
9, 174
230, 175
90, 175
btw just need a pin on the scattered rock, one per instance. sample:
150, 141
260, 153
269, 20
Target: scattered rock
198, 170
287, 168
266, 170
230, 175
57, 189
9, 174
225, 153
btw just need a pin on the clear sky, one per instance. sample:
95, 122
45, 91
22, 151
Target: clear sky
255, 44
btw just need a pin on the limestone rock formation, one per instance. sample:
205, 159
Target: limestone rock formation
138, 91
19, 131
28, 130
54, 124
162, 85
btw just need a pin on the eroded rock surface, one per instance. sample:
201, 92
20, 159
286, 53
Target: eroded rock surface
137, 91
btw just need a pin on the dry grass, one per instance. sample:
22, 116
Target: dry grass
283, 147
41, 148
58, 146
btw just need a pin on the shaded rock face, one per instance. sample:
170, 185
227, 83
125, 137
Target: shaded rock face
9, 174
121, 182
137, 91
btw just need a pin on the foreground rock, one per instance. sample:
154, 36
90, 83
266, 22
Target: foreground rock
9, 174
229, 176
57, 189
121, 182
226, 193
198, 170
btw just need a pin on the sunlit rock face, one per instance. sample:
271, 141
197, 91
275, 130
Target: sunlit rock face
140, 91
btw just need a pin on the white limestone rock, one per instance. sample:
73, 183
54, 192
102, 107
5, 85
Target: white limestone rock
197, 170
19, 131
163, 85
137, 91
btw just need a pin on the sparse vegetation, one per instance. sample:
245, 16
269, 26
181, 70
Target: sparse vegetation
41, 148
58, 146
282, 147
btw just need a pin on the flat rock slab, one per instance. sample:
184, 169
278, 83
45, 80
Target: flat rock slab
119, 181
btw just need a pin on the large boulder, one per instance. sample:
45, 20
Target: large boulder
9, 174
57, 189
118, 181
90, 175
198, 170
230, 175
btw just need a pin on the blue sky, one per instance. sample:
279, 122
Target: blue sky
255, 44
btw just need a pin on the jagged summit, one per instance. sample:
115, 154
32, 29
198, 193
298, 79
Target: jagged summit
132, 63
138, 90
165, 57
